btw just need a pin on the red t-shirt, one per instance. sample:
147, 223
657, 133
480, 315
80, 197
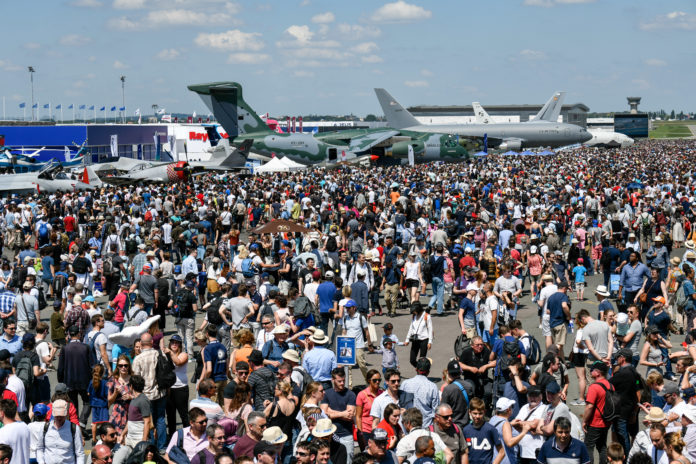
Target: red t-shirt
10, 395
365, 399
119, 304
69, 222
596, 396
72, 414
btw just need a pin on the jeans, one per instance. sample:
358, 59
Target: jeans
621, 430
419, 348
159, 412
177, 401
668, 362
349, 443
596, 437
185, 328
438, 294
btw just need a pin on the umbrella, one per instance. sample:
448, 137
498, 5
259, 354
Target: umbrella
528, 153
280, 226
481, 153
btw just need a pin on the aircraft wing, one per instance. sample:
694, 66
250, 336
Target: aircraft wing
117, 180
367, 141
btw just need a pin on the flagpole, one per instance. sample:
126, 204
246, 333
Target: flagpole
50, 112
61, 113
4, 118
95, 114
24, 113
73, 113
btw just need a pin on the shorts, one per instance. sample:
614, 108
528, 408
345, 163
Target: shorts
488, 338
596, 253
579, 286
559, 334
545, 327
579, 359
411, 283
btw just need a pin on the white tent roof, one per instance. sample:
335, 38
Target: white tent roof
294, 165
274, 165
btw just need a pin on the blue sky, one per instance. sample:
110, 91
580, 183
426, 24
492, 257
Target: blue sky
325, 57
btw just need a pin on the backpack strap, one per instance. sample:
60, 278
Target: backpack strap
463, 390
180, 438
201, 456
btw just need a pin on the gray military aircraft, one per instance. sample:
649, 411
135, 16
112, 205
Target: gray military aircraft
52, 178
549, 112
512, 136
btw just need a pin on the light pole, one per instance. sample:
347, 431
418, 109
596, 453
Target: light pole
31, 77
123, 98
155, 106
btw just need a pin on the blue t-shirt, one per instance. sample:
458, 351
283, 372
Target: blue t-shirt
216, 353
326, 291
481, 442
661, 321
339, 401
605, 305
555, 307
575, 453
469, 308
688, 291
579, 272
46, 263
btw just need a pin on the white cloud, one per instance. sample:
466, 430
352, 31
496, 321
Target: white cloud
655, 62
365, 47
426, 73
168, 54
122, 23
324, 18
302, 73
530, 55
248, 58
32, 45
91, 76
187, 18
92, 59
9, 66
416, 83
400, 12
301, 33
550, 3
129, 4
74, 40
86, 3
79, 84
353, 31
371, 59
234, 40
671, 21
119, 65
641, 84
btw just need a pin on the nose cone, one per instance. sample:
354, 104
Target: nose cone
584, 135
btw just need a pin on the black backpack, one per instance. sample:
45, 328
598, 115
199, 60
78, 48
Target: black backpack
534, 353
331, 244
303, 307
426, 270
306, 378
612, 404
460, 344
164, 372
80, 265
511, 350
19, 275
131, 246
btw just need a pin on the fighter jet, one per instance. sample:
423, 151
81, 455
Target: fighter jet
52, 178
240, 121
181, 171
511, 136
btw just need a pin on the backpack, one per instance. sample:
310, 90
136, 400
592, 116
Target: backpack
91, 342
148, 216
178, 309
25, 372
108, 265
164, 372
248, 268
42, 298
645, 220
460, 344
176, 453
303, 307
58, 284
534, 353
130, 321
19, 275
306, 378
511, 350
680, 298
426, 270
612, 403
43, 232
131, 246
331, 244
80, 265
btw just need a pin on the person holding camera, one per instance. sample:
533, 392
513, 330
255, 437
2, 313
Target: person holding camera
420, 333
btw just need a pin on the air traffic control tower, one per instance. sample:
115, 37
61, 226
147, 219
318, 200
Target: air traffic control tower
632, 123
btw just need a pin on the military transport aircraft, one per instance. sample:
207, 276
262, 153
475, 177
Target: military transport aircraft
511, 136
241, 122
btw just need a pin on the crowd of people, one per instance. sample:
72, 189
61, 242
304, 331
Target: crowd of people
117, 304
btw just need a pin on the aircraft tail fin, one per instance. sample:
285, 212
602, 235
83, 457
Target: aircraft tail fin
480, 114
67, 154
237, 157
225, 101
552, 108
90, 177
397, 116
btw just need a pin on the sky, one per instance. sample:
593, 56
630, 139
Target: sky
300, 57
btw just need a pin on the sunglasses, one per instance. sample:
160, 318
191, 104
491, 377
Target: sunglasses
11, 328
201, 422
265, 323
395, 381
302, 454
123, 365
242, 372
448, 417
375, 380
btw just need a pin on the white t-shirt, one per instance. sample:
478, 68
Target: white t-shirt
18, 437
487, 313
100, 341
530, 443
42, 349
17, 387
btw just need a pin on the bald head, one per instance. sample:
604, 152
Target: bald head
101, 453
146, 340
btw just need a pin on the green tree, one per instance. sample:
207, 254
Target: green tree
370, 118
671, 115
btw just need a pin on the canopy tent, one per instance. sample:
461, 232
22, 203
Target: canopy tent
279, 226
528, 153
480, 154
293, 165
546, 153
510, 153
274, 165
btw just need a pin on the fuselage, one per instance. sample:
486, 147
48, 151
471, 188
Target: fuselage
300, 147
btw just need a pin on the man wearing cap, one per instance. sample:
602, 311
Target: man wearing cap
146, 284
75, 371
626, 381
25, 359
274, 348
660, 257
555, 408
654, 418
261, 380
426, 395
533, 413
377, 444
354, 324
76, 315
319, 361
361, 265
391, 283
184, 305
675, 405
501, 421
61, 443
27, 310
596, 428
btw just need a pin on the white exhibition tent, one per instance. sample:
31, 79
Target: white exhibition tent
294, 165
276, 164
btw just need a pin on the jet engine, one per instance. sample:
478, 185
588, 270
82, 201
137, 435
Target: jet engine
511, 144
400, 149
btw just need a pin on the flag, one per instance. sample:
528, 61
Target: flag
22, 105
113, 108
35, 105
123, 108
70, 107
46, 106
160, 111
91, 108
82, 107
114, 146
59, 106
193, 115
102, 108
137, 112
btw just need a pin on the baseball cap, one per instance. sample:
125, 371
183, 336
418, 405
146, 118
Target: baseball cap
503, 404
60, 408
453, 367
601, 366
190, 284
533, 390
625, 352
670, 388
60, 388
28, 337
349, 304
176, 338
553, 387
379, 434
5, 355
660, 299
73, 330
40, 409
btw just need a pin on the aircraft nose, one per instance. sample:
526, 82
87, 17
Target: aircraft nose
586, 135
